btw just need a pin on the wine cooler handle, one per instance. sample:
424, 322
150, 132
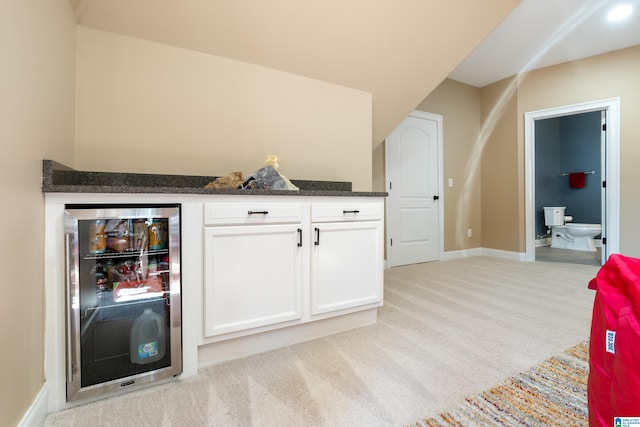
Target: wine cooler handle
67, 249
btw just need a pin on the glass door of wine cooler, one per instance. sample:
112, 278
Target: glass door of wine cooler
123, 297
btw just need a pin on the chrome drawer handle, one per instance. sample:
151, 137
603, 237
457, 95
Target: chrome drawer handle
258, 212
355, 211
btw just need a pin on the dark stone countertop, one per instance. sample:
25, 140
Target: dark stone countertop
58, 178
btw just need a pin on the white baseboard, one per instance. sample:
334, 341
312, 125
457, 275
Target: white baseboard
35, 415
496, 253
464, 253
473, 252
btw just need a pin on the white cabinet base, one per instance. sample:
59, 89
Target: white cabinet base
211, 354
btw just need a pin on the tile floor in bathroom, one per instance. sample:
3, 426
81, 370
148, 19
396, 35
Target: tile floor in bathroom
547, 253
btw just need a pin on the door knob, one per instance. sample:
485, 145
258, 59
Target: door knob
436, 197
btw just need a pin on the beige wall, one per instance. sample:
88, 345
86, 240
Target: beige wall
37, 46
600, 77
488, 123
592, 79
148, 107
459, 104
502, 198
480, 154
396, 50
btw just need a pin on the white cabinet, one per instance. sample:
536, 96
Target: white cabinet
253, 271
270, 264
346, 256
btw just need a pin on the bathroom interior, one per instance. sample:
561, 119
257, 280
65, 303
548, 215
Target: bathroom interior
568, 174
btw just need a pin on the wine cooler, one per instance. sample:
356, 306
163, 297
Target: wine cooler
123, 306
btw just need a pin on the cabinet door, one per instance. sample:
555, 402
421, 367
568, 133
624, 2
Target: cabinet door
346, 266
253, 277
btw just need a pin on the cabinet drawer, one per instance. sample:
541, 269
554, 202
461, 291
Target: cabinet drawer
225, 213
358, 211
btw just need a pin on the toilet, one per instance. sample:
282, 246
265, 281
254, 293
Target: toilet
566, 235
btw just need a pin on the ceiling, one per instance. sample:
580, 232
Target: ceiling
540, 33
398, 51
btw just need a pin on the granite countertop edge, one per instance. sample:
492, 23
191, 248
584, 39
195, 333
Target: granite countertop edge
58, 178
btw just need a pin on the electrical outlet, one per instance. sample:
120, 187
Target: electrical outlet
469, 232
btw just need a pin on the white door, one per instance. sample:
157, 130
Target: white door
413, 163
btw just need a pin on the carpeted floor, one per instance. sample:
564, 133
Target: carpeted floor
552, 393
448, 330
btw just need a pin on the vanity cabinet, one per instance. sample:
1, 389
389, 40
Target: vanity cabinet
252, 265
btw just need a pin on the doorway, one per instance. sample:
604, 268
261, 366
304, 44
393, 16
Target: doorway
413, 165
569, 171
609, 171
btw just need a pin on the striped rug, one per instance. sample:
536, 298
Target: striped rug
552, 393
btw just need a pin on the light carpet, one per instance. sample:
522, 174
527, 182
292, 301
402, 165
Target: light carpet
447, 330
552, 393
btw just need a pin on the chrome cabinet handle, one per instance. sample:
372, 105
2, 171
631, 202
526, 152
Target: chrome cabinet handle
258, 212
299, 237
355, 211
317, 242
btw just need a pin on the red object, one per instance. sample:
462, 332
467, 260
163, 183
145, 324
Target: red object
129, 290
614, 374
577, 179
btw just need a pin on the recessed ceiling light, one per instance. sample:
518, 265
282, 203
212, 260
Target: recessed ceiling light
619, 13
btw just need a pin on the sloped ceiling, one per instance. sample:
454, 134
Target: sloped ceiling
398, 50
541, 33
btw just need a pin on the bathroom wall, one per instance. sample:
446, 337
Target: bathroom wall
568, 144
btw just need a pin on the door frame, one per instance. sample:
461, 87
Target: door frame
611, 229
440, 173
